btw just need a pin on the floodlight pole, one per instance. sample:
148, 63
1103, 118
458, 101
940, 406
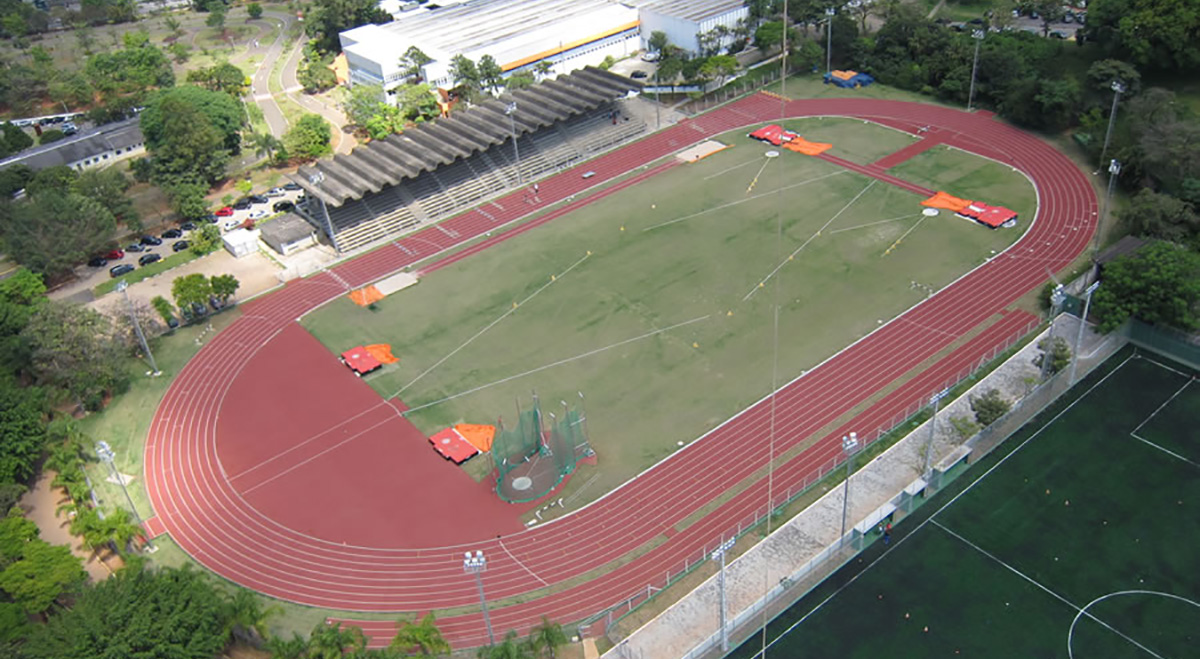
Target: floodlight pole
829, 12
719, 554
510, 110
123, 286
1114, 170
1056, 300
108, 457
849, 448
936, 400
1118, 88
1087, 303
978, 36
478, 564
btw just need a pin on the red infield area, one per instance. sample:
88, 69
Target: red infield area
266, 454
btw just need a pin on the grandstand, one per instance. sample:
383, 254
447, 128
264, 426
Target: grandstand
434, 170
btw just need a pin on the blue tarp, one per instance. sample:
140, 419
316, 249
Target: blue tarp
857, 80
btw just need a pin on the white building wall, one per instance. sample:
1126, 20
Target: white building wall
680, 32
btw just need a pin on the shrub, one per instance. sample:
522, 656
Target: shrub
989, 407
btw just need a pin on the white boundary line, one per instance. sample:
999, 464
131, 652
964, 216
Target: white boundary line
1133, 433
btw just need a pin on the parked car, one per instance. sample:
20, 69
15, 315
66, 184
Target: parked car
259, 214
291, 186
258, 199
188, 226
172, 233
230, 225
241, 204
224, 212
69, 129
151, 240
147, 259
283, 206
135, 247
180, 245
276, 192
639, 75
215, 303
650, 57
98, 262
118, 270
212, 218
115, 254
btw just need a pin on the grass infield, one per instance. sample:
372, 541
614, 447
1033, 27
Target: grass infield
1076, 538
649, 301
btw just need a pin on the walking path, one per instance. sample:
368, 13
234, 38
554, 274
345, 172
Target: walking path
40, 505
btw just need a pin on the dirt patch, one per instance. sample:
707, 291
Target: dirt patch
40, 504
256, 272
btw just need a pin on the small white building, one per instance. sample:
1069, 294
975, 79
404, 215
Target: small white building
100, 147
684, 21
288, 234
570, 34
241, 242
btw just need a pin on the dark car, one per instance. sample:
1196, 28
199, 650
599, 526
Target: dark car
172, 233
136, 247
241, 204
180, 245
118, 270
98, 262
147, 259
283, 206
639, 74
188, 226
115, 254
258, 199
151, 240
212, 218
290, 186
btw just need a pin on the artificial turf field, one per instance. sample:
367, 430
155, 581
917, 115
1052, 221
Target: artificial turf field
1077, 538
648, 300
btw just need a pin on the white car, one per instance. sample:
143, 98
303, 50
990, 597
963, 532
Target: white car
230, 224
259, 215
276, 192
650, 57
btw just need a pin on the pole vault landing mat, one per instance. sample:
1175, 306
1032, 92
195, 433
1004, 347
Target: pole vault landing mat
701, 151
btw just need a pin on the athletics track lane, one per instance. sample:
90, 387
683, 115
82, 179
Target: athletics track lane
211, 522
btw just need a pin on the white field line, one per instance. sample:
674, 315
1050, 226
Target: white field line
742, 201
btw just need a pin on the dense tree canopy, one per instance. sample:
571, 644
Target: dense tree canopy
22, 430
309, 138
73, 349
1156, 34
222, 112
1159, 284
50, 233
329, 17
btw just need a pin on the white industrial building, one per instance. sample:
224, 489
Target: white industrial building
570, 34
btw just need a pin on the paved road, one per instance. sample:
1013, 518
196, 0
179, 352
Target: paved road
260, 91
343, 142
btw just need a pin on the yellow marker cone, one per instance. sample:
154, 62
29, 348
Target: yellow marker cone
589, 252
695, 345
761, 284
514, 305
622, 228
792, 257
728, 313
551, 277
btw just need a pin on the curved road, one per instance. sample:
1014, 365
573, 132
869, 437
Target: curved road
202, 512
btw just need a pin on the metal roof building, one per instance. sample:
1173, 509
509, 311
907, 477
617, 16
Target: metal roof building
684, 21
102, 146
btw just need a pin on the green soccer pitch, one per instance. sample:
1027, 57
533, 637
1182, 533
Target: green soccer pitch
649, 303
1077, 538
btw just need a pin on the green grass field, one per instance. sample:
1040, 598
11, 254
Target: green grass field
640, 300
1075, 539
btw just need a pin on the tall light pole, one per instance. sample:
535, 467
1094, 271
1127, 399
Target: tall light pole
123, 286
1114, 170
936, 400
1056, 300
829, 12
719, 554
510, 110
478, 564
978, 36
849, 448
1087, 303
1118, 88
108, 457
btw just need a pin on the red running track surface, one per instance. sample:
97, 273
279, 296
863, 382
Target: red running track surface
261, 544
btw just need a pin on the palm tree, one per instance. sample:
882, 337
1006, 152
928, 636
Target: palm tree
509, 648
264, 144
120, 529
293, 648
331, 641
246, 618
424, 636
547, 637
543, 69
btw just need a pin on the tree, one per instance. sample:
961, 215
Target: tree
490, 73
1051, 12
1159, 284
1157, 215
769, 34
264, 144
328, 18
107, 187
543, 69
22, 430
509, 648
224, 286
547, 637
72, 349
244, 186
15, 533
989, 406
424, 636
13, 178
309, 138
519, 80
172, 24
206, 241
719, 67
246, 617
316, 77
465, 75
180, 52
42, 575
658, 41
1059, 351
173, 612
163, 307
187, 148
20, 296
254, 10
216, 19
1158, 34
362, 103
332, 641
413, 62
222, 112
223, 77
50, 233
14, 139
191, 289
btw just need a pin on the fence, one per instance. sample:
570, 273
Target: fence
731, 91
1170, 342
619, 610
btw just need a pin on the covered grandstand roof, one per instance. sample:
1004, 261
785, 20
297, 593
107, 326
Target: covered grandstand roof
690, 10
425, 147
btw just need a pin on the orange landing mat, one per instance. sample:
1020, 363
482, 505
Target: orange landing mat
801, 145
366, 296
480, 436
946, 201
382, 352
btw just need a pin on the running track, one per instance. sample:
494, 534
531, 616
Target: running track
195, 503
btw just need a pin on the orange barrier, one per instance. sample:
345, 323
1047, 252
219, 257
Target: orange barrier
480, 436
366, 296
801, 145
382, 352
946, 201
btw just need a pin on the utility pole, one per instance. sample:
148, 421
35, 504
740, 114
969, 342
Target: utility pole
719, 554
1087, 303
510, 110
478, 564
978, 36
849, 448
108, 457
829, 12
936, 400
1118, 88
1114, 170
1056, 300
123, 286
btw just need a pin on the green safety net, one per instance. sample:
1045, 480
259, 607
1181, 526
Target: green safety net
536, 454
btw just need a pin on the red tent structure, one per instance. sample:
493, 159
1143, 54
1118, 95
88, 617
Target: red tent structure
774, 134
360, 360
